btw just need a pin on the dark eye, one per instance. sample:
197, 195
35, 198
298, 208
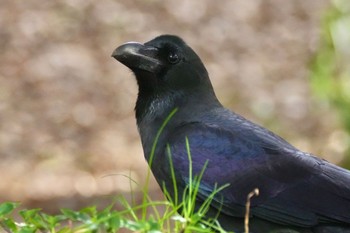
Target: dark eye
173, 58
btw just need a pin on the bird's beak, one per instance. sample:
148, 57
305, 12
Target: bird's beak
137, 56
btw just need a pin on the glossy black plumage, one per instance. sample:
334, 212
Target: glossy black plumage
297, 190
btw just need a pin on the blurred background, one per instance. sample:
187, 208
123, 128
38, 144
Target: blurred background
68, 136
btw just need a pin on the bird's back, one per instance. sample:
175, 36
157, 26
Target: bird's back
296, 188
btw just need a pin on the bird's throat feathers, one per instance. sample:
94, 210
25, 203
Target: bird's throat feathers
155, 106
151, 113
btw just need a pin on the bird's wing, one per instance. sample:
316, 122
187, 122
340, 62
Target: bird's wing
295, 188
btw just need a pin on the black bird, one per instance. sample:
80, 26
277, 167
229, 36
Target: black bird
298, 191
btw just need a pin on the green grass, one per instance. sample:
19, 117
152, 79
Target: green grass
330, 69
144, 217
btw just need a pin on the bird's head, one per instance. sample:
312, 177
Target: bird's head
168, 72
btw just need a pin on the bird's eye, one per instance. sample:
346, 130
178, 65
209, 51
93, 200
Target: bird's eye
173, 58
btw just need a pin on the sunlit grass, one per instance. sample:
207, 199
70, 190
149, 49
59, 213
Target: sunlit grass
145, 217
176, 213
330, 69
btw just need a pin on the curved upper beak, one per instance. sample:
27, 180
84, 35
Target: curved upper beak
137, 56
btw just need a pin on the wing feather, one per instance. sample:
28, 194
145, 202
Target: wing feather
295, 188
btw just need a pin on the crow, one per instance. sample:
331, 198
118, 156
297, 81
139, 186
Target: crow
299, 192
